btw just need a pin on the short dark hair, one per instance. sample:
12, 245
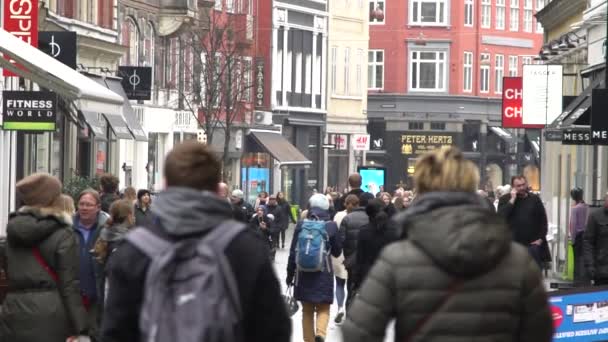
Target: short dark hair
192, 165
514, 178
355, 180
352, 200
108, 183
576, 194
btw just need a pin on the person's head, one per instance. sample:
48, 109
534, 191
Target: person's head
192, 165
272, 200
576, 194
260, 211
445, 169
280, 196
38, 190
365, 198
89, 205
520, 184
236, 196
108, 183
334, 196
121, 212
263, 197
351, 202
143, 197
386, 198
354, 181
377, 216
130, 194
223, 190
398, 203
319, 201
65, 204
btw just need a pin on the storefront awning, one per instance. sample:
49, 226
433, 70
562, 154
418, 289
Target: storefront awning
577, 112
119, 126
279, 148
54, 75
127, 111
92, 120
503, 134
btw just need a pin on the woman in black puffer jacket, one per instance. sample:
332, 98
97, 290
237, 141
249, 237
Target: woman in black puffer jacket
457, 276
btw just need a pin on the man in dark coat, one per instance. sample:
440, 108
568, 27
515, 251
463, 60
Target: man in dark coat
243, 211
190, 207
109, 190
143, 214
595, 245
354, 182
276, 213
315, 289
527, 218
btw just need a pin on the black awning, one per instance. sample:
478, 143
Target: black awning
119, 126
92, 120
574, 112
127, 111
278, 147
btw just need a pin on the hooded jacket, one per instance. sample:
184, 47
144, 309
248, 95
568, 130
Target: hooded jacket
458, 277
186, 213
37, 308
349, 234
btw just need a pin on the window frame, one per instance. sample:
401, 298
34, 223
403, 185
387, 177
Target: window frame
413, 60
486, 14
514, 14
374, 64
374, 4
484, 72
346, 71
334, 70
501, 14
440, 20
469, 13
499, 72
513, 68
438, 126
468, 66
415, 126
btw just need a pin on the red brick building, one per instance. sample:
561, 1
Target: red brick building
436, 68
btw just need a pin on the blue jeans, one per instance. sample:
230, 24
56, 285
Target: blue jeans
340, 293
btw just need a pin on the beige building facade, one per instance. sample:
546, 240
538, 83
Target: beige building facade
347, 56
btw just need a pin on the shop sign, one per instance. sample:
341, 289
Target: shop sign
576, 137
136, 81
542, 85
29, 110
59, 45
259, 82
184, 121
512, 101
339, 141
599, 120
553, 135
420, 143
21, 20
580, 315
361, 142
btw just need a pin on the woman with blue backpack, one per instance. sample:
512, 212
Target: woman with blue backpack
310, 269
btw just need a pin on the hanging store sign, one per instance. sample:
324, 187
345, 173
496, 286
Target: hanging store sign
259, 83
29, 110
576, 136
59, 45
416, 144
512, 102
361, 142
542, 85
136, 81
21, 20
599, 119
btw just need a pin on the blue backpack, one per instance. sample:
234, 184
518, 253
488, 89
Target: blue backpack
313, 246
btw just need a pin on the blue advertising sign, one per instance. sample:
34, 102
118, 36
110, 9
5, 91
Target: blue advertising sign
580, 314
372, 179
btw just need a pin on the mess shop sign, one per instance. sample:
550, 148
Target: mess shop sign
580, 315
29, 110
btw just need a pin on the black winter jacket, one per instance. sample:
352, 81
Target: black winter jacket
458, 275
349, 233
595, 244
280, 220
185, 213
143, 218
340, 204
372, 239
242, 211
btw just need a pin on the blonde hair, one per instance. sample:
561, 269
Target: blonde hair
64, 203
130, 194
445, 169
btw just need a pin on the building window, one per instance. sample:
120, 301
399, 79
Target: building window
346, 71
468, 72
428, 12
526, 60
484, 73
218, 5
188, 58
130, 39
438, 126
334, 69
359, 72
540, 4
514, 16
375, 69
105, 15
428, 70
513, 67
486, 13
468, 12
499, 72
375, 8
247, 80
416, 126
528, 16
149, 53
229, 6
500, 14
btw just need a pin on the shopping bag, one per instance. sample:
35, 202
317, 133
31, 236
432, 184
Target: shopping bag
569, 272
290, 302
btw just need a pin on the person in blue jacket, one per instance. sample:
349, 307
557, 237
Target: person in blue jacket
315, 289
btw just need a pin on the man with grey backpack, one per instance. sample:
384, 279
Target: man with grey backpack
193, 275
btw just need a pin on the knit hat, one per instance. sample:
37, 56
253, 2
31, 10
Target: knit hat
39, 190
319, 201
141, 193
237, 193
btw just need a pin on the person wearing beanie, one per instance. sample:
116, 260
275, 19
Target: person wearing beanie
315, 289
143, 214
44, 303
242, 211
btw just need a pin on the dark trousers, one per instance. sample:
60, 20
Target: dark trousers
283, 237
351, 287
536, 253
580, 274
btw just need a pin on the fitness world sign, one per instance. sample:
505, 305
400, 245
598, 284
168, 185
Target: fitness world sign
29, 111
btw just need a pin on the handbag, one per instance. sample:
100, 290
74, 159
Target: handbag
290, 302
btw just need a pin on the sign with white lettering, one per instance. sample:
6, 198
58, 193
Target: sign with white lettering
512, 101
361, 142
259, 83
416, 144
576, 137
21, 19
136, 81
29, 110
599, 120
59, 45
542, 86
580, 314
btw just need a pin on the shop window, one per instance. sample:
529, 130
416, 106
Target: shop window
416, 126
471, 134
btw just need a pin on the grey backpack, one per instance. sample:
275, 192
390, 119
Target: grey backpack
190, 293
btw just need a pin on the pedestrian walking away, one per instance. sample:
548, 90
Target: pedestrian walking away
286, 218
458, 276
354, 182
108, 184
595, 245
578, 221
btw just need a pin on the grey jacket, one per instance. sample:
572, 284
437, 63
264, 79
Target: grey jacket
349, 233
457, 277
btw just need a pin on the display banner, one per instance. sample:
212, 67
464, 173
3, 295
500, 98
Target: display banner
373, 179
512, 103
21, 20
580, 315
136, 81
59, 45
542, 86
29, 110
599, 119
259, 82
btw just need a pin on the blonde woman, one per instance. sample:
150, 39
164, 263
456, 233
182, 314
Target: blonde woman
457, 276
